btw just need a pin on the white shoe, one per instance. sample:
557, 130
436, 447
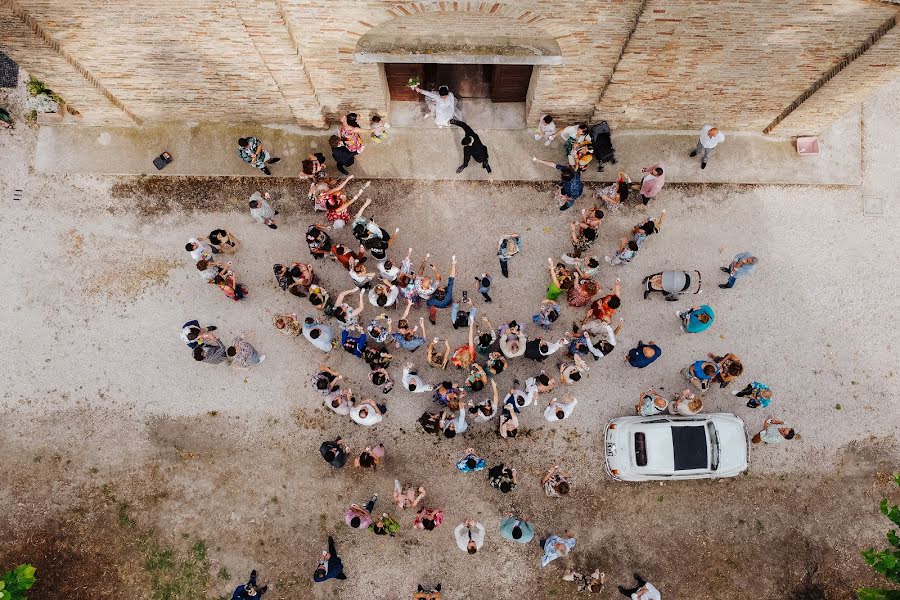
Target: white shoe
548, 142
607, 259
537, 137
262, 357
735, 392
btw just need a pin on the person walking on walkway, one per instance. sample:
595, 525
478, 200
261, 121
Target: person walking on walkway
330, 565
652, 182
469, 536
343, 156
473, 148
643, 590
710, 137
249, 590
251, 152
744, 264
261, 210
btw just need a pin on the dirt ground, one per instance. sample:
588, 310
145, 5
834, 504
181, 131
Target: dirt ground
132, 472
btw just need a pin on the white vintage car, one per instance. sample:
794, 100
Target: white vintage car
673, 447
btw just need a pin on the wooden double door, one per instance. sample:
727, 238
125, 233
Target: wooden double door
499, 83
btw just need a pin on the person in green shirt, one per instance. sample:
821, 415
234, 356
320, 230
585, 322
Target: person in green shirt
554, 291
385, 525
697, 319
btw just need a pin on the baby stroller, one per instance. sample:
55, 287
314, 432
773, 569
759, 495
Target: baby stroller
603, 148
672, 283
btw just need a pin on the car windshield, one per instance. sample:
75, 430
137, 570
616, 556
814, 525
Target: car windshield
714, 446
640, 449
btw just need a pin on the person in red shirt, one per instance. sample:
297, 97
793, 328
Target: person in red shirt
605, 308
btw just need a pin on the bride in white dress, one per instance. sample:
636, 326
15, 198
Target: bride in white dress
442, 105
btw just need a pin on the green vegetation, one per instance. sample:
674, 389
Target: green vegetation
14, 584
887, 561
173, 574
36, 88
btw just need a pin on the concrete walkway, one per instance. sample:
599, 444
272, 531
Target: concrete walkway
428, 153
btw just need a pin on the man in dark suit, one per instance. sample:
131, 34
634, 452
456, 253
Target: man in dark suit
472, 147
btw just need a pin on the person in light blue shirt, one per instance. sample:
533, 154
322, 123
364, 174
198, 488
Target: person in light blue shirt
757, 394
515, 530
471, 462
744, 264
697, 319
557, 546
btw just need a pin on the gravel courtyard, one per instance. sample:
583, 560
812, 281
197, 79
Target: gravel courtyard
120, 454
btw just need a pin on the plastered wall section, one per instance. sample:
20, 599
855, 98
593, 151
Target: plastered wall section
43, 62
738, 63
877, 67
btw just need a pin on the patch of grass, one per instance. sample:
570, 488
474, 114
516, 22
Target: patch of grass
93, 470
224, 574
173, 577
36, 459
759, 526
838, 406
122, 517
213, 413
659, 498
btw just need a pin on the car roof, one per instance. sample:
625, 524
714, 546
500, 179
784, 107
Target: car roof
690, 448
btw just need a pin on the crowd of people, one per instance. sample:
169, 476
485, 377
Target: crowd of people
466, 391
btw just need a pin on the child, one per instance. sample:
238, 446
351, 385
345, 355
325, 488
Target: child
342, 156
379, 129
262, 211
484, 286
546, 130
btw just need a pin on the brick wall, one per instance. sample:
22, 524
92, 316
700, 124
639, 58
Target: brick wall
878, 66
42, 61
736, 62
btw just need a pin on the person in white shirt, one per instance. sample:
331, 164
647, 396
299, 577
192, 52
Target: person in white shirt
557, 411
710, 137
388, 270
367, 412
441, 105
318, 334
546, 130
199, 251
262, 211
520, 397
469, 536
643, 591
412, 381
458, 424
384, 294
604, 341
340, 401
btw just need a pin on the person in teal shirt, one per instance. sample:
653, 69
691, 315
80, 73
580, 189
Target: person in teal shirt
697, 319
514, 530
758, 394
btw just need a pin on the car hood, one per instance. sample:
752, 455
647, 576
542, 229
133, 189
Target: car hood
732, 443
